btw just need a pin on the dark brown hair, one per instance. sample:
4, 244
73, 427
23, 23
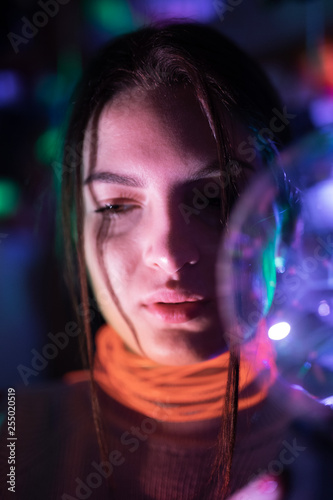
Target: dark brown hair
220, 76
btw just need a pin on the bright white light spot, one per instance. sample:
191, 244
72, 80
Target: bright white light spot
280, 264
328, 401
279, 330
324, 309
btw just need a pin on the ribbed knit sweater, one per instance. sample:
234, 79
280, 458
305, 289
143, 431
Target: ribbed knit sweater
57, 455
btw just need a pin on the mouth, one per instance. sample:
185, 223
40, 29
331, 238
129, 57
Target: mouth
178, 311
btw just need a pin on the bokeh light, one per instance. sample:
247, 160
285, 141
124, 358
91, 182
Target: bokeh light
113, 16
9, 198
47, 145
196, 10
11, 88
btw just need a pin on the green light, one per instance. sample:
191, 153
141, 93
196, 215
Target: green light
269, 273
47, 145
304, 370
50, 89
9, 197
112, 15
69, 66
54, 88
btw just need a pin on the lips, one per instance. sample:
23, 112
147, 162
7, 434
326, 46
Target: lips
175, 307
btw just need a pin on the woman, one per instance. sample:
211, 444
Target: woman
167, 127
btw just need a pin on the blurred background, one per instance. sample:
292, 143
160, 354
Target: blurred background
44, 45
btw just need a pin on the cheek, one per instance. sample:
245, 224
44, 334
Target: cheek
114, 261
121, 264
206, 238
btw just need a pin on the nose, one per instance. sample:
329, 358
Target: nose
170, 244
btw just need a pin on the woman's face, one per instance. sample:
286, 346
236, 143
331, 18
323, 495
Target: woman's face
152, 224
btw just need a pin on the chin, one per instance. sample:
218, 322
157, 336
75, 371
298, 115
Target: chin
184, 351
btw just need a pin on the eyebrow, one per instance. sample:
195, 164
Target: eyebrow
111, 178
212, 169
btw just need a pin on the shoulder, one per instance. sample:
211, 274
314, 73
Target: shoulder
48, 406
285, 406
297, 403
55, 395
284, 426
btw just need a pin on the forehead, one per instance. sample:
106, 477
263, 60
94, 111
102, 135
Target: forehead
162, 132
151, 128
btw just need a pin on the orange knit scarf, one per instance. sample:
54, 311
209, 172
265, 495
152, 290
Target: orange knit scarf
181, 393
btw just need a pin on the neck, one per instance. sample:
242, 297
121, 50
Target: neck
181, 393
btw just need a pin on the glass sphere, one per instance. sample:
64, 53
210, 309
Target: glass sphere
276, 262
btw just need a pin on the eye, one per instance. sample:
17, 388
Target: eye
113, 209
121, 215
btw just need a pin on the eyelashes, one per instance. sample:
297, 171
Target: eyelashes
119, 209
121, 215
115, 209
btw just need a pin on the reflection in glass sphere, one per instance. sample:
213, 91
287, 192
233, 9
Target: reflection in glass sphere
279, 331
276, 261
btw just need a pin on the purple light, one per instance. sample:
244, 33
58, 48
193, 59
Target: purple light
199, 10
10, 87
324, 309
318, 203
321, 111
